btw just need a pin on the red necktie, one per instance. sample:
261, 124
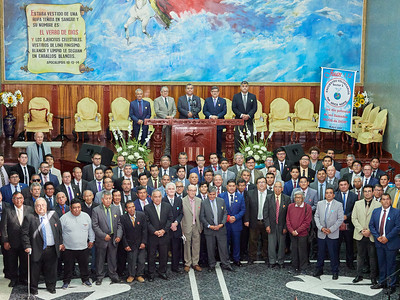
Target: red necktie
62, 209
218, 190
215, 168
359, 195
277, 209
155, 183
294, 184
382, 223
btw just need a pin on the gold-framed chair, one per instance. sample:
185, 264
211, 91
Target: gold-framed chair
119, 115
373, 133
304, 117
260, 118
201, 114
38, 118
280, 116
87, 118
357, 128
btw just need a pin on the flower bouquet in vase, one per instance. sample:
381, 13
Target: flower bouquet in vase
10, 100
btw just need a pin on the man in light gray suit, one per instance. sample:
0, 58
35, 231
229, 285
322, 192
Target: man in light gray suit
108, 230
239, 163
189, 105
328, 217
224, 172
165, 108
310, 195
350, 158
37, 151
213, 216
320, 185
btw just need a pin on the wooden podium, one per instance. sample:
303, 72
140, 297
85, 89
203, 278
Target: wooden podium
193, 136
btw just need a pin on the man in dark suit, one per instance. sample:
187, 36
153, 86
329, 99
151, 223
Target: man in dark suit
244, 106
183, 159
215, 108
108, 232
96, 185
282, 164
166, 168
357, 170
159, 219
35, 193
142, 198
189, 105
385, 227
139, 110
200, 169
376, 172
78, 180
45, 176
4, 172
141, 168
134, 240
61, 208
127, 192
213, 216
274, 213
11, 239
143, 181
24, 170
88, 170
88, 205
348, 199
305, 170
175, 236
3, 207
41, 236
244, 235
337, 165
154, 180
254, 220
14, 186
118, 170
70, 190
235, 207
368, 179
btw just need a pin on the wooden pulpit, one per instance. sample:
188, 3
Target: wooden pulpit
193, 136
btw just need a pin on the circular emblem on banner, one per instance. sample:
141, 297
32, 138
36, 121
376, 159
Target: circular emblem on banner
337, 92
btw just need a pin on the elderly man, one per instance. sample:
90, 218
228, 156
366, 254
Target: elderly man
61, 208
35, 191
134, 240
78, 237
164, 107
213, 215
357, 187
298, 220
350, 158
191, 229
108, 233
42, 237
189, 105
166, 168
368, 179
78, 180
4, 172
159, 220
164, 180
37, 151
238, 166
11, 238
139, 110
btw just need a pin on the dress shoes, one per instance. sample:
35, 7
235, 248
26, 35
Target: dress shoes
250, 262
377, 286
374, 281
99, 281
197, 268
335, 276
163, 276
186, 269
115, 280
390, 290
358, 279
238, 263
140, 279
178, 270
52, 290
318, 273
151, 278
211, 269
130, 279
227, 268
12, 283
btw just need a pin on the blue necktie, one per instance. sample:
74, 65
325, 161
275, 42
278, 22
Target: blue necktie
140, 108
43, 232
231, 202
344, 201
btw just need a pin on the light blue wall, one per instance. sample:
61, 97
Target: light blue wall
382, 65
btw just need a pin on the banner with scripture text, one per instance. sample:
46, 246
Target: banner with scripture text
336, 103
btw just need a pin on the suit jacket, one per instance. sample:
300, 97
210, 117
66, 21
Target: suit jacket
392, 228
101, 228
11, 229
185, 182
134, 111
7, 192
234, 169
134, 235
257, 174
334, 218
4, 207
207, 216
52, 178
360, 218
187, 218
335, 183
121, 206
98, 195
229, 175
269, 212
87, 172
89, 210
154, 223
161, 110
177, 212
310, 174
33, 155
188, 168
171, 172
17, 168
116, 173
361, 194
183, 107
318, 166
56, 172
63, 188
372, 181
118, 183
286, 168
136, 173
197, 171
288, 187
84, 184
237, 210
137, 203
350, 201
315, 186
219, 110
134, 190
349, 178
251, 214
378, 174
344, 171
32, 235
92, 185
311, 197
58, 210
238, 106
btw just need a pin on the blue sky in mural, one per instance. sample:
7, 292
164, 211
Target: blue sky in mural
261, 41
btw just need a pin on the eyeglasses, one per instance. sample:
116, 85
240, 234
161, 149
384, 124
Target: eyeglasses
35, 180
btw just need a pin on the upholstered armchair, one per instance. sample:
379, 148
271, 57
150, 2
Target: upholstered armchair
119, 115
87, 118
373, 133
358, 127
201, 115
260, 118
279, 116
229, 112
304, 118
39, 118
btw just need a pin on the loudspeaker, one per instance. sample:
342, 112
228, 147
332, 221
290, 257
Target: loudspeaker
293, 152
87, 150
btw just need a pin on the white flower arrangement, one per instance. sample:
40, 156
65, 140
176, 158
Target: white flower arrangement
256, 148
9, 99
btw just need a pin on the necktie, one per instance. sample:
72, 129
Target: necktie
63, 209
304, 173
294, 184
358, 195
366, 182
43, 232
166, 102
326, 213
120, 173
277, 210
224, 177
215, 102
19, 215
70, 193
98, 186
245, 101
270, 188
201, 174
140, 108
26, 181
126, 198
219, 191
215, 211
45, 179
321, 192
281, 167
1, 211
344, 201
155, 183
172, 201
231, 202
396, 199
194, 210
260, 206
50, 202
165, 172
3, 179
133, 221
215, 168
158, 211
109, 221
374, 174
382, 225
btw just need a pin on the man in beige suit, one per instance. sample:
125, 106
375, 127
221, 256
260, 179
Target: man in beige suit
191, 229
394, 192
360, 217
165, 108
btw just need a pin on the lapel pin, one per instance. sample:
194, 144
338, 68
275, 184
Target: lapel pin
138, 223
388, 218
115, 216
55, 225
